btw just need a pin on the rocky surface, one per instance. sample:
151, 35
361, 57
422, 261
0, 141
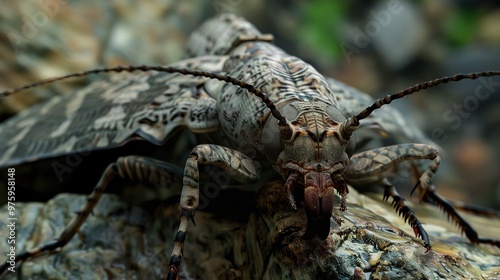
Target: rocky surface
125, 242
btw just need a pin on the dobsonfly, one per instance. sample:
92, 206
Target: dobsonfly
261, 108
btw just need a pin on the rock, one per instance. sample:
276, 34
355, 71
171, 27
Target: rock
125, 242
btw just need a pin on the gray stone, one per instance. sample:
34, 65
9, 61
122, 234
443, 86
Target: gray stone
372, 242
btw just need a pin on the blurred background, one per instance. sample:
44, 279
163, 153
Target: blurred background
379, 47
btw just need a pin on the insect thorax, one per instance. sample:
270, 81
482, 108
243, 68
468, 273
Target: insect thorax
283, 78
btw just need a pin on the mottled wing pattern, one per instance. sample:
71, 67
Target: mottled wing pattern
108, 114
217, 36
278, 75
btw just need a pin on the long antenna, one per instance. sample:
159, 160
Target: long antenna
276, 114
353, 122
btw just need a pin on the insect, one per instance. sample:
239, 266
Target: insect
261, 107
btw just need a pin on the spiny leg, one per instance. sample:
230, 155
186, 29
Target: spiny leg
399, 203
133, 168
432, 197
475, 209
427, 193
371, 165
237, 165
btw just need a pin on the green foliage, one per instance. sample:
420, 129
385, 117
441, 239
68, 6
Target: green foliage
319, 30
461, 27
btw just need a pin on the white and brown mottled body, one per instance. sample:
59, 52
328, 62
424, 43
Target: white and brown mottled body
304, 132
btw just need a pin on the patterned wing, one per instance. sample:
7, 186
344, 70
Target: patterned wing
107, 114
219, 35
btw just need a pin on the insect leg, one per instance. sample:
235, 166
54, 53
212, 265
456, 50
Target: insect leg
237, 165
432, 197
370, 165
427, 193
131, 167
405, 211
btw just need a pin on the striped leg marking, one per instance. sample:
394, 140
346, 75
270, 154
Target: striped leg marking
373, 163
237, 165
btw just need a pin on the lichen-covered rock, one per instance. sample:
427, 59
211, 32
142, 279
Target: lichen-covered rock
130, 242
110, 237
372, 242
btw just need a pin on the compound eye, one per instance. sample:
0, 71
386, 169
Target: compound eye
351, 146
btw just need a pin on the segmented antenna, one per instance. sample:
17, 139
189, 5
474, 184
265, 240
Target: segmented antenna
353, 122
276, 114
